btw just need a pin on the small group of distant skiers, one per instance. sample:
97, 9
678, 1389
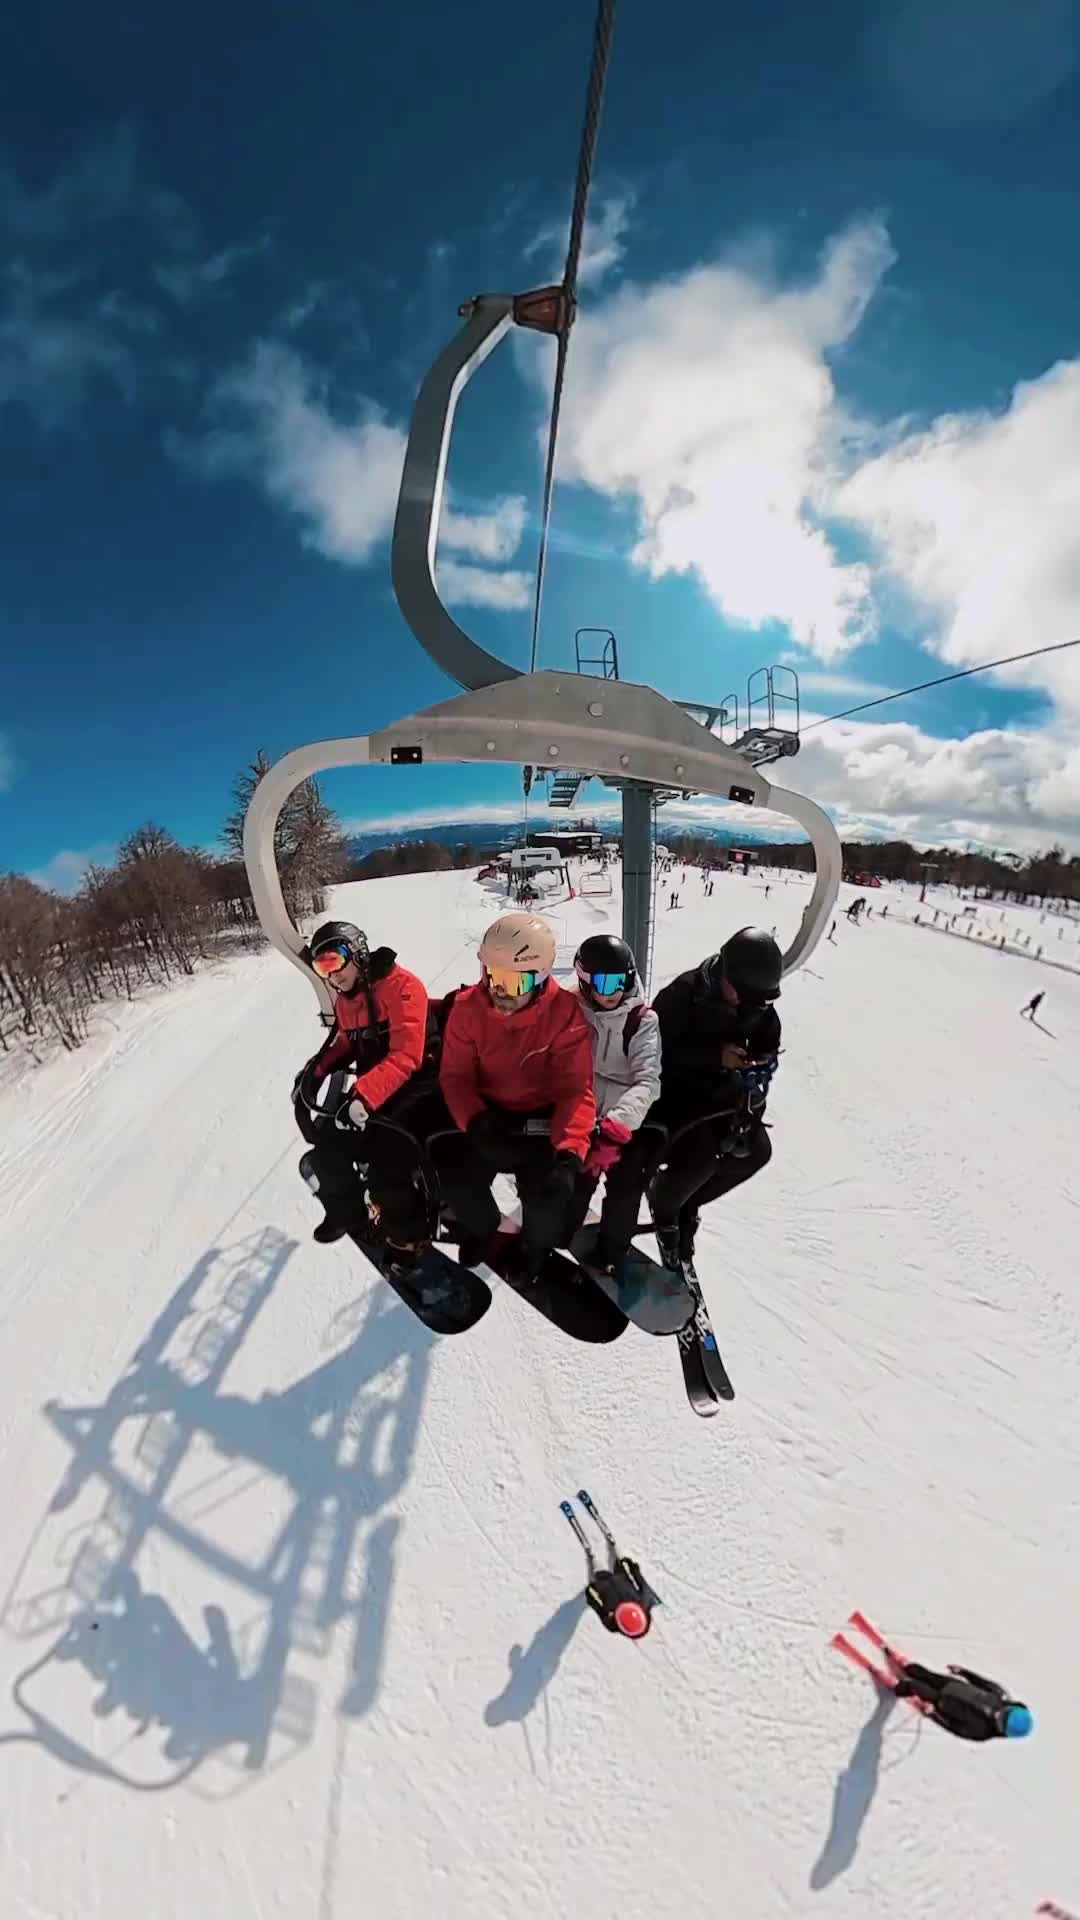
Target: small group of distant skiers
560, 1087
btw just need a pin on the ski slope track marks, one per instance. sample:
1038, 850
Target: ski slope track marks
291, 1621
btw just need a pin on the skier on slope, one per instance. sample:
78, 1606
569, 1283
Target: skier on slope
626, 1073
963, 1702
1031, 1009
720, 1032
516, 1050
368, 1069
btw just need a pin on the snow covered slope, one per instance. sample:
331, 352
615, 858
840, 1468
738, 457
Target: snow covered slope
292, 1624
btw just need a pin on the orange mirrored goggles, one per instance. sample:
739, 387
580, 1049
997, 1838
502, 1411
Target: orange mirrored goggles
515, 981
330, 960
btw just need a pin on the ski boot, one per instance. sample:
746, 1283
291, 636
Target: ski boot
402, 1261
668, 1241
689, 1221
328, 1231
335, 1224
619, 1592
604, 1256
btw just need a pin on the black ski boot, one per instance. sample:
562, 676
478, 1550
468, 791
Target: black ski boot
329, 1230
475, 1249
604, 1256
689, 1222
402, 1262
667, 1240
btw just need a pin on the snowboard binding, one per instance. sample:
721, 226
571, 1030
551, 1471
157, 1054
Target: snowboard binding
619, 1592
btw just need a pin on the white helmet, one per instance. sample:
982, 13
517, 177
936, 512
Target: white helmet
519, 943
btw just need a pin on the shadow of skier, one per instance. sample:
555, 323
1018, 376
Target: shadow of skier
532, 1668
853, 1797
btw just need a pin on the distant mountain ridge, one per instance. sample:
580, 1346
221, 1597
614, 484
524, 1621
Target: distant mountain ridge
501, 835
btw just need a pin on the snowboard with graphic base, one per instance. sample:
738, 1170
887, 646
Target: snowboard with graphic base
448, 1298
566, 1296
655, 1298
445, 1297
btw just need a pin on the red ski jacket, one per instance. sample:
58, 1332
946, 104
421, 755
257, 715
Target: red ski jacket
525, 1062
388, 1053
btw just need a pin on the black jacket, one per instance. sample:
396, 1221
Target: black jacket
695, 1026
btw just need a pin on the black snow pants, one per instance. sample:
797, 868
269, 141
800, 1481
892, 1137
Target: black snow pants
623, 1187
701, 1170
392, 1156
466, 1171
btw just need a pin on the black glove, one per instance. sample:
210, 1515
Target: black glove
562, 1178
486, 1128
306, 1085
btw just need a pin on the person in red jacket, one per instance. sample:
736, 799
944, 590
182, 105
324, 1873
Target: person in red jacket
516, 1074
369, 1068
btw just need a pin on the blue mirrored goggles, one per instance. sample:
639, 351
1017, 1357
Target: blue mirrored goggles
604, 983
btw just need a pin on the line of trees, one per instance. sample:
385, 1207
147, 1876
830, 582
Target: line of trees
162, 908
158, 911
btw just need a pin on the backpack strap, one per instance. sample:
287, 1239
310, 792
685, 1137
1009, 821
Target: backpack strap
632, 1023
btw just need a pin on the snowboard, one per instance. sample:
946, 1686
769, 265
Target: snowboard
653, 1297
566, 1296
446, 1297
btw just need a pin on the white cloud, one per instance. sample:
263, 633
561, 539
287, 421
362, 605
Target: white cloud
841, 686
603, 243
64, 872
977, 518
708, 403
189, 281
494, 536
54, 350
465, 586
104, 183
339, 477
68, 324
1019, 787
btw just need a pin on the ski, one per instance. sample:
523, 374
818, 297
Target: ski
655, 1298
446, 1297
704, 1373
563, 1293
886, 1670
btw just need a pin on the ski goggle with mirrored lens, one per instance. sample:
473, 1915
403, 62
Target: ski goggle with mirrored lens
330, 960
603, 983
514, 981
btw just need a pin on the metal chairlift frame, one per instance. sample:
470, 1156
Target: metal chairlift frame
629, 735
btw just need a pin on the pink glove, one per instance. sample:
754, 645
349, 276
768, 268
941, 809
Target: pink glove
611, 1137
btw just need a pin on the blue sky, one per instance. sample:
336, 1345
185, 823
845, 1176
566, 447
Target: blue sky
823, 404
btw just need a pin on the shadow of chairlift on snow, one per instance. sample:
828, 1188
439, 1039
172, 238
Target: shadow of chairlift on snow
173, 1462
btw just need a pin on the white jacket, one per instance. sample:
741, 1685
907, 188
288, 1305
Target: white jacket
627, 1080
